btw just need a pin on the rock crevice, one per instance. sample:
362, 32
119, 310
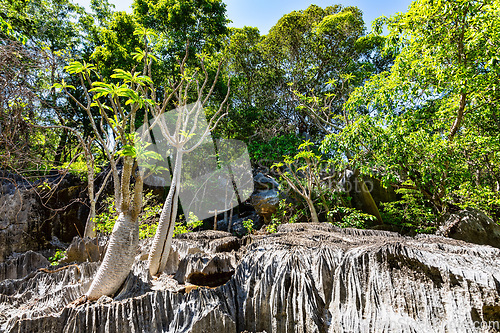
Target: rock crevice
305, 278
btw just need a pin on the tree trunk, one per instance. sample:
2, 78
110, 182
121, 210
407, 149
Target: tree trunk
119, 257
60, 147
314, 214
368, 202
90, 225
230, 222
160, 248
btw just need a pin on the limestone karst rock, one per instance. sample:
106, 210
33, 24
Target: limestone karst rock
208, 270
22, 265
305, 278
81, 250
18, 218
29, 223
471, 225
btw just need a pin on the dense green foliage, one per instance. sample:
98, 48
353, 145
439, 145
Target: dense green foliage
417, 109
57, 257
435, 115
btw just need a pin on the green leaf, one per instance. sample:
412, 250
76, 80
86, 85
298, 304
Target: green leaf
128, 150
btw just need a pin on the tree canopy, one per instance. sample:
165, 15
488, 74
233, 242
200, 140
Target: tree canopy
436, 111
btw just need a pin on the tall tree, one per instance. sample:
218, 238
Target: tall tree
132, 92
114, 43
52, 30
323, 55
123, 100
202, 23
184, 131
308, 49
436, 110
250, 95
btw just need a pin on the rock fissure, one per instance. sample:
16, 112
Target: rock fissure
349, 281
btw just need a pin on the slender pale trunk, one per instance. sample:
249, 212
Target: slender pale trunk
119, 257
225, 217
312, 209
369, 204
230, 223
90, 225
162, 241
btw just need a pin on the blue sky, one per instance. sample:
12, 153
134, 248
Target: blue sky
263, 14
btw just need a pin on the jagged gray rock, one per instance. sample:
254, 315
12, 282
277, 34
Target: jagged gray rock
210, 270
22, 265
471, 225
265, 198
83, 249
28, 224
305, 278
18, 217
209, 241
206, 242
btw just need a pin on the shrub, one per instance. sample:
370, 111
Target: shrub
285, 213
267, 153
347, 217
189, 225
248, 225
411, 212
56, 259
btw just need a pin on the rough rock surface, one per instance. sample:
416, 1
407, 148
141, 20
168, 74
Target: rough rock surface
210, 270
22, 265
265, 198
305, 278
27, 224
84, 249
17, 218
237, 227
471, 225
204, 242
209, 241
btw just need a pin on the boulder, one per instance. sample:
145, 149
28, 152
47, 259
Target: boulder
471, 225
264, 183
81, 250
265, 199
237, 227
18, 218
22, 265
209, 270
304, 278
26, 223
